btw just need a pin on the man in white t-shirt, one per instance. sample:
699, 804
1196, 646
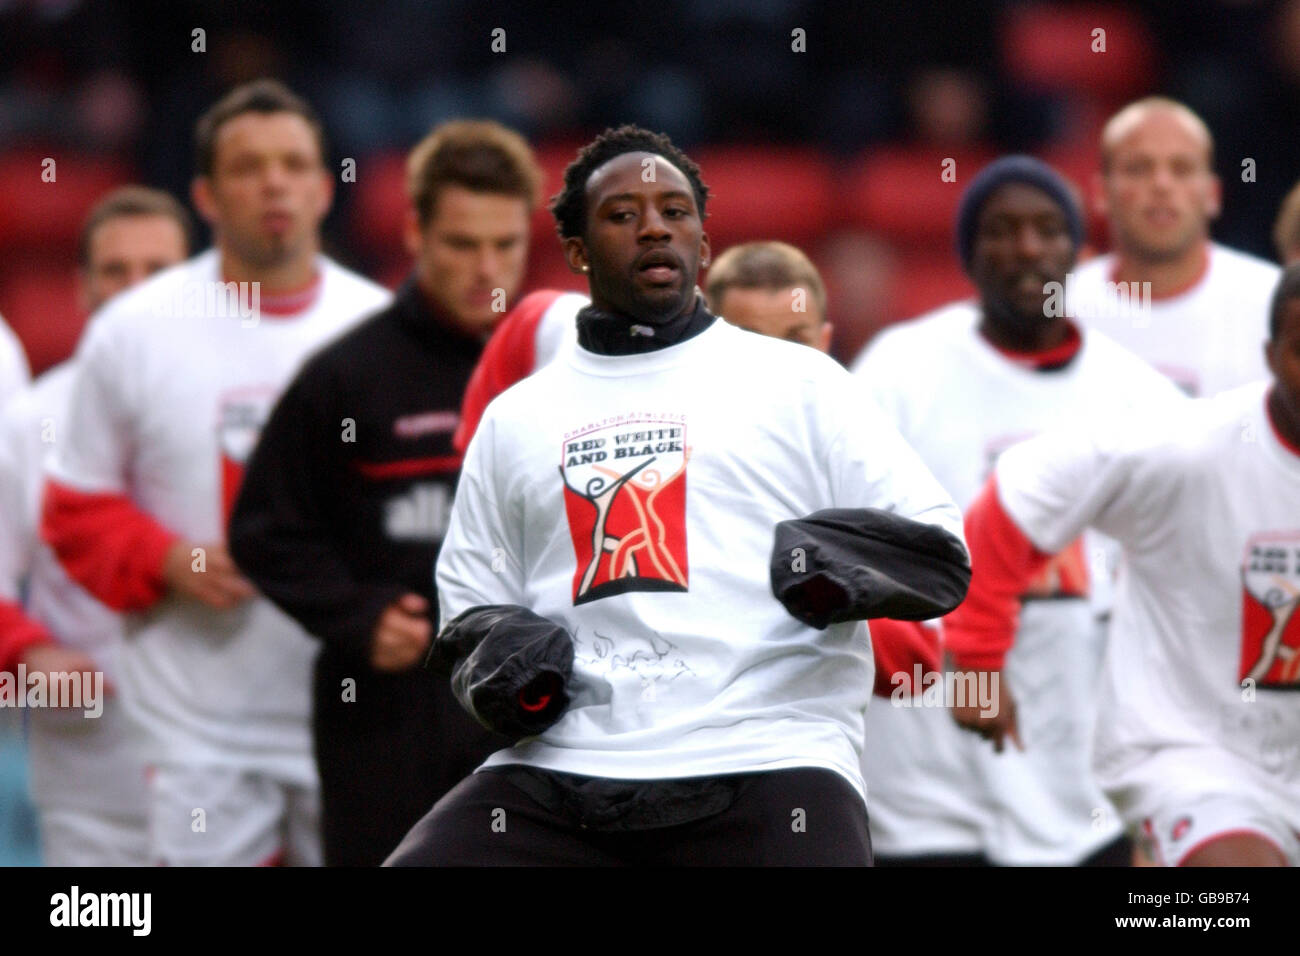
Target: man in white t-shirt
962, 384
1196, 310
87, 775
626, 498
174, 379
1198, 727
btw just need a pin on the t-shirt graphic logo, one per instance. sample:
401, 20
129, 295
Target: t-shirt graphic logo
625, 498
241, 413
1270, 629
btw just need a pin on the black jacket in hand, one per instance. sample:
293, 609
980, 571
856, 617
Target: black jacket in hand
851, 564
508, 667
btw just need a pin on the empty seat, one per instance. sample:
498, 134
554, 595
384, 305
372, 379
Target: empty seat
901, 192
39, 301
767, 193
1049, 47
48, 216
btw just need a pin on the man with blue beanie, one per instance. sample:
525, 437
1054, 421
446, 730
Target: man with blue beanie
962, 384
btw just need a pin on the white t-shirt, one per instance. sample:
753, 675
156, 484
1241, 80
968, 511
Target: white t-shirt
14, 370
172, 388
90, 764
672, 469
1199, 686
960, 402
1207, 340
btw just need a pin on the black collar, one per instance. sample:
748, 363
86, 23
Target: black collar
610, 333
421, 319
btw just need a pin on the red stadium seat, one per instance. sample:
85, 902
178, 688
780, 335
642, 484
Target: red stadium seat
927, 281
900, 192
1049, 47
39, 301
48, 216
767, 193
379, 205
548, 270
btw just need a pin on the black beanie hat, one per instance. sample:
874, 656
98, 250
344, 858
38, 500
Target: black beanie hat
1012, 169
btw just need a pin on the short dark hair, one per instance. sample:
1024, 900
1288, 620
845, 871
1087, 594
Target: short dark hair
259, 96
1287, 288
570, 205
771, 266
132, 201
480, 155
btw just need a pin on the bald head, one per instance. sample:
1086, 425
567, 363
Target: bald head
1160, 112
1158, 188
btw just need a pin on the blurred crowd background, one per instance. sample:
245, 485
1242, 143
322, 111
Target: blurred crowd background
837, 146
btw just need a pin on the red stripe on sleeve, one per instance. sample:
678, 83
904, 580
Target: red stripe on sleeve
1003, 564
17, 633
898, 647
107, 545
409, 467
510, 356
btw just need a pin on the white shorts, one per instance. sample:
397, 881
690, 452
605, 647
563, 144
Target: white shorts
1185, 826
225, 816
71, 837
922, 793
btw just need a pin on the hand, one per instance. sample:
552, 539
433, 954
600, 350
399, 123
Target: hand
219, 585
996, 720
402, 635
50, 659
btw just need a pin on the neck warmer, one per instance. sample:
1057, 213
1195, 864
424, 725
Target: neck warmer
611, 333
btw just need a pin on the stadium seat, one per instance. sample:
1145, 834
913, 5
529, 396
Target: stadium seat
900, 193
548, 270
48, 216
928, 279
379, 205
759, 193
39, 301
1048, 47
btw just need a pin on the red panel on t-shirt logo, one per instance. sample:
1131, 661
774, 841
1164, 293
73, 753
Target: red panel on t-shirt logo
625, 498
1270, 627
241, 413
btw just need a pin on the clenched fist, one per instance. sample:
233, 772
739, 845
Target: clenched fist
402, 635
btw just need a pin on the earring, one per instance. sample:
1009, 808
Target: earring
586, 268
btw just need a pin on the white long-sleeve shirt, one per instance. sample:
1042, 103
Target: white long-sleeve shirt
632, 500
173, 384
960, 402
1200, 678
93, 764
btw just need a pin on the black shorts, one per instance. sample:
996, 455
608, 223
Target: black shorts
798, 817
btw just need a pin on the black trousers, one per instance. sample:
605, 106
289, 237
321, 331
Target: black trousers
387, 756
799, 817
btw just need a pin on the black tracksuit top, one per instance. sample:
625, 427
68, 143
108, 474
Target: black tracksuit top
346, 498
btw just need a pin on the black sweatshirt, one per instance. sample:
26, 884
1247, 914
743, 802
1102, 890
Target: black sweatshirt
346, 499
